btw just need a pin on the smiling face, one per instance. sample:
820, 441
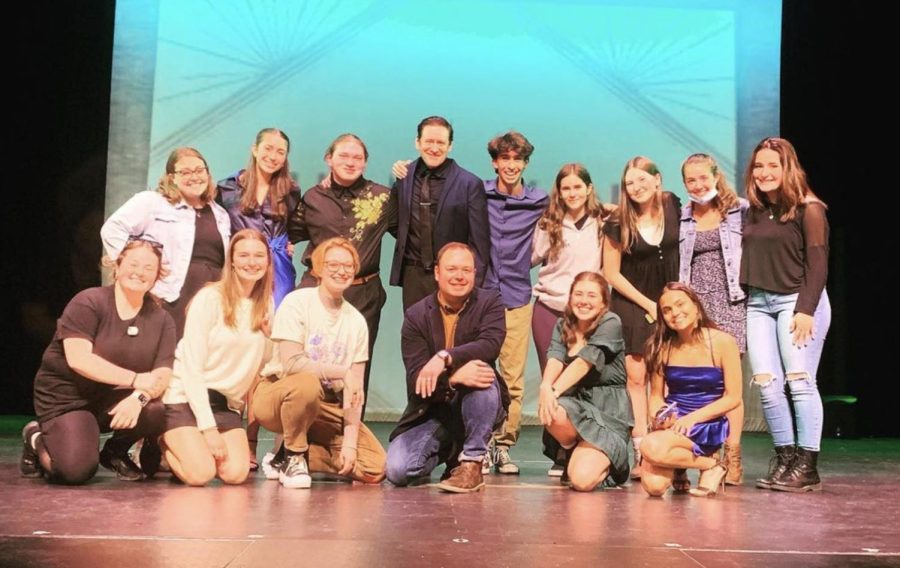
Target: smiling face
338, 270
434, 144
510, 167
249, 259
641, 186
678, 310
191, 177
137, 269
586, 300
699, 179
270, 153
455, 274
347, 162
573, 193
768, 171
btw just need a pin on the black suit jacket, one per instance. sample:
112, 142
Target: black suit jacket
479, 335
461, 217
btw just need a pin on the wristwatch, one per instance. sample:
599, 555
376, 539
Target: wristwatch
445, 357
142, 397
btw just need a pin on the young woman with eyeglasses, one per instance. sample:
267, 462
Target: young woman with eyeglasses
312, 390
182, 215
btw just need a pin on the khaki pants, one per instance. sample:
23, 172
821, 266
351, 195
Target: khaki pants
513, 355
312, 421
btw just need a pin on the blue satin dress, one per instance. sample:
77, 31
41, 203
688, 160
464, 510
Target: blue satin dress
692, 388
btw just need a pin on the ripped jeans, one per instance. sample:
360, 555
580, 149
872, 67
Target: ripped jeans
774, 358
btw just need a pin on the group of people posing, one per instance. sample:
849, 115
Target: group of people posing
202, 323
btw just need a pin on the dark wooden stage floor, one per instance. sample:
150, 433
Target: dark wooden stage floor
525, 521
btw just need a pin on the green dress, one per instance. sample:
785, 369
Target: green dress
598, 405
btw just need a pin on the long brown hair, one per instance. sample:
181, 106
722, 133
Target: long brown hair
726, 199
795, 190
552, 219
230, 287
627, 213
279, 187
660, 341
570, 322
167, 186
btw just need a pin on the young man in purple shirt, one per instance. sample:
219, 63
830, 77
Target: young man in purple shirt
513, 212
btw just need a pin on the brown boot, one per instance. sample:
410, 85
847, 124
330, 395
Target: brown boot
465, 478
735, 468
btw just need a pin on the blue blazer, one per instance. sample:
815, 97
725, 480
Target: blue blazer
461, 217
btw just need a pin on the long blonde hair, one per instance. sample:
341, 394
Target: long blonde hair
627, 212
230, 286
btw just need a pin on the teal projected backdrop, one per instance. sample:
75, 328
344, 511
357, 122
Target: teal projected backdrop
593, 82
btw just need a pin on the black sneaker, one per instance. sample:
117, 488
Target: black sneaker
125, 469
30, 464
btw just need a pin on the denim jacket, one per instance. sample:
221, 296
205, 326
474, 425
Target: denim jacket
149, 214
730, 233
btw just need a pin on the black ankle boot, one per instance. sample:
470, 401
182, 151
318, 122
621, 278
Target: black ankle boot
802, 475
779, 464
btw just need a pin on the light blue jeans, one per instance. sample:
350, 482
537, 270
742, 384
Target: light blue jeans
475, 414
773, 354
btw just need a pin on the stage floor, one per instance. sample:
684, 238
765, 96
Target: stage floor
521, 521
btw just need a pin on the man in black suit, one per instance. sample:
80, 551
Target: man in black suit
440, 203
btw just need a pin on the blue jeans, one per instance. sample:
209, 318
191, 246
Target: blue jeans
415, 453
773, 354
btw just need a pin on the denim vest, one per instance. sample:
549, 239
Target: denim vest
730, 232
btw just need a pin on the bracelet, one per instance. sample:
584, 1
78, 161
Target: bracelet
133, 379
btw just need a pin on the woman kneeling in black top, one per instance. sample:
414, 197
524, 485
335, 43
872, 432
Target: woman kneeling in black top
110, 358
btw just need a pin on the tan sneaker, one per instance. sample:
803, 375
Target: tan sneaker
465, 478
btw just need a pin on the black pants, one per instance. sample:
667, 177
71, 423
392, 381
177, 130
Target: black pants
417, 283
368, 297
72, 439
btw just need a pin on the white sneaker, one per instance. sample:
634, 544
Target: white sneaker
295, 474
487, 463
271, 468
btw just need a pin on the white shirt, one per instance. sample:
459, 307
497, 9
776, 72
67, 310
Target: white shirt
149, 214
212, 355
580, 251
327, 338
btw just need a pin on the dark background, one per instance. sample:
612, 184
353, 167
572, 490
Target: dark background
829, 110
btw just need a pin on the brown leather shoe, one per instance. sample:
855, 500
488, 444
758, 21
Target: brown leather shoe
465, 478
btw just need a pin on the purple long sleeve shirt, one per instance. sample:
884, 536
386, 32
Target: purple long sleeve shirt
512, 221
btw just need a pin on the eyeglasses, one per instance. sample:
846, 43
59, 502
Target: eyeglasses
195, 172
142, 239
334, 267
